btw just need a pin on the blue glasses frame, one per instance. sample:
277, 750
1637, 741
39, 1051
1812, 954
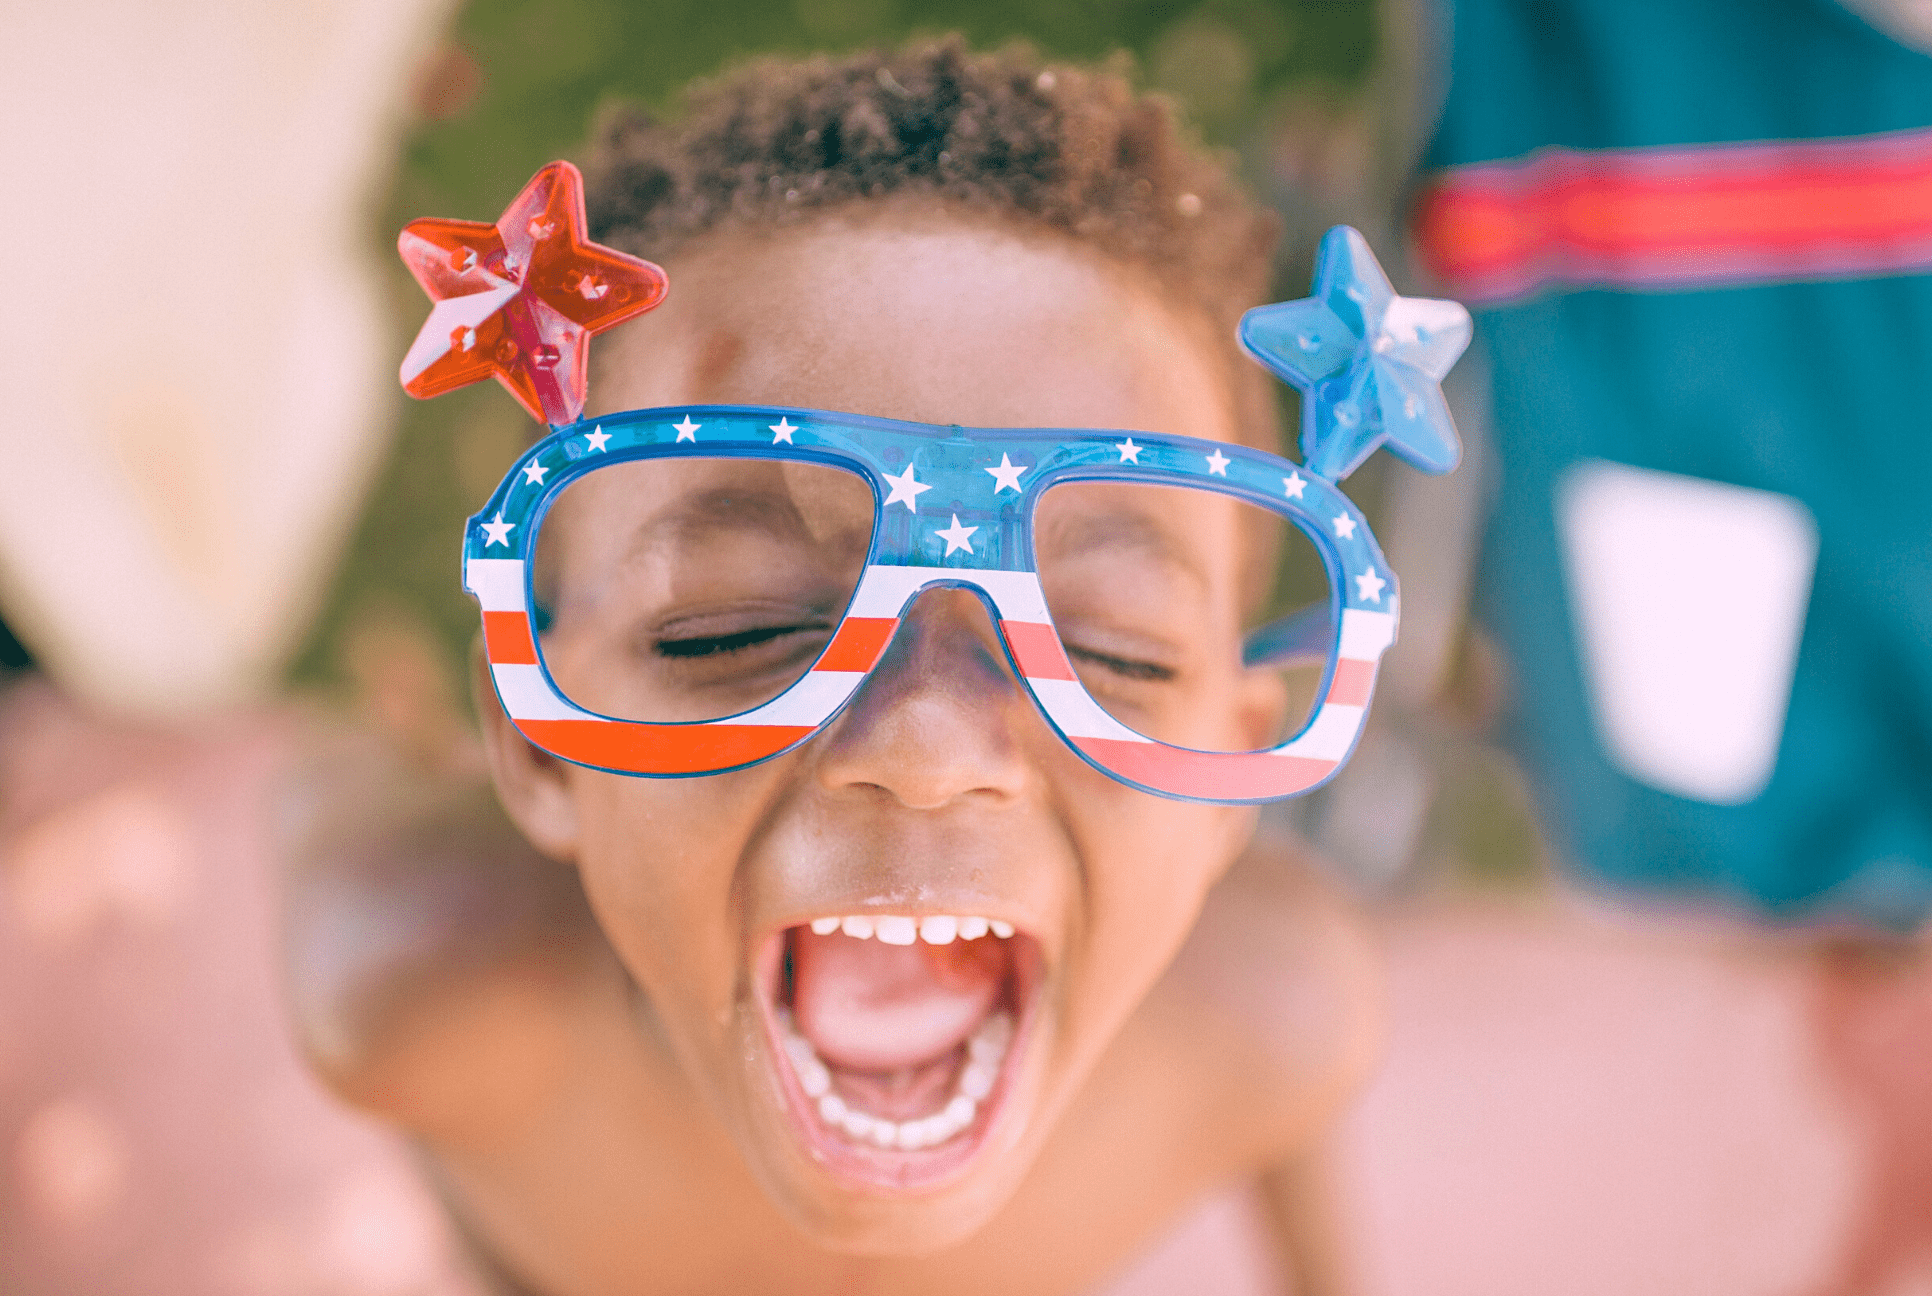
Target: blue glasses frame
954, 507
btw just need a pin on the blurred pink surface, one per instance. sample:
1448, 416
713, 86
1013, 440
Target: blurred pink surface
1584, 1102
1573, 1101
157, 1133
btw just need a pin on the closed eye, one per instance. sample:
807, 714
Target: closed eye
712, 645
1122, 666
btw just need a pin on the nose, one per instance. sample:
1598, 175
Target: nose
941, 718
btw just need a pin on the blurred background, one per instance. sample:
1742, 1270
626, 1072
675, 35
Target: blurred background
225, 535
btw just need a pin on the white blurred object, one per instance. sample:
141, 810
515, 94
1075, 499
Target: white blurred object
1906, 21
195, 352
1689, 601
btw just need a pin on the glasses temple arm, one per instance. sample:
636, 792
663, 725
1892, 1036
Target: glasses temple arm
1305, 635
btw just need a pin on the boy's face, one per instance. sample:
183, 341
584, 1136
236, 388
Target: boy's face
940, 791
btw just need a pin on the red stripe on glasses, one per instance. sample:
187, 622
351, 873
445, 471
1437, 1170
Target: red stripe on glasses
857, 645
660, 749
1226, 776
1354, 681
506, 635
1037, 649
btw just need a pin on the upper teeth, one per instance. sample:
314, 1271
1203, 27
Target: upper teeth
896, 929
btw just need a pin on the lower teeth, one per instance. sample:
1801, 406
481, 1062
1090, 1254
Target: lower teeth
985, 1051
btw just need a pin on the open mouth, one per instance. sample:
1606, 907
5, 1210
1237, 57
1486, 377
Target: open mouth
895, 1038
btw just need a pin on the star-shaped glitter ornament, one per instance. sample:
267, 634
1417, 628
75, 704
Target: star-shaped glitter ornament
1369, 363
520, 300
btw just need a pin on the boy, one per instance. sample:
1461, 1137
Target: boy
1052, 1009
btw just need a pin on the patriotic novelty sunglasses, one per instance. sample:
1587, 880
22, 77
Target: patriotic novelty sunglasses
677, 592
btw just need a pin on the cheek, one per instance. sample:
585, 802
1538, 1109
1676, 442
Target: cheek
1150, 867
1171, 852
657, 863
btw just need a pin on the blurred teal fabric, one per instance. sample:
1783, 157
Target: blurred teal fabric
1811, 383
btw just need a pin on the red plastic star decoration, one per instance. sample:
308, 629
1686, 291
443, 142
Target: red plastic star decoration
520, 300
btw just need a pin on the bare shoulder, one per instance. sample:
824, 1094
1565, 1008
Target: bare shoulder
430, 953
1279, 987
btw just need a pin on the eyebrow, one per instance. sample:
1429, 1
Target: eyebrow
1097, 532
720, 508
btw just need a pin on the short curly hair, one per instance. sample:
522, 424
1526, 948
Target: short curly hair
1045, 146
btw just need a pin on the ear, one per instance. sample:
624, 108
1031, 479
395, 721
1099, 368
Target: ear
533, 785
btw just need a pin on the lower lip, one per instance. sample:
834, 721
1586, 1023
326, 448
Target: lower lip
867, 1167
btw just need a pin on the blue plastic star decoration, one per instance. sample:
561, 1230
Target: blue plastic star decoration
1369, 364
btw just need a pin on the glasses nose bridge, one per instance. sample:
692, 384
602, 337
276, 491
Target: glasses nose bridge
888, 592
951, 619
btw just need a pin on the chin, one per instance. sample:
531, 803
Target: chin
894, 1068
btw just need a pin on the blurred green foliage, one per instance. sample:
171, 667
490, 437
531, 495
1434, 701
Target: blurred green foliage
546, 66
516, 85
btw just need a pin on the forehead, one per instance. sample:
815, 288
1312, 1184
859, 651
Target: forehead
917, 314
673, 508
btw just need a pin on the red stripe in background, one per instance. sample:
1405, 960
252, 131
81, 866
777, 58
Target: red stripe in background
506, 637
1681, 217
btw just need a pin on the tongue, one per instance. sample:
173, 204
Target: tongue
870, 1006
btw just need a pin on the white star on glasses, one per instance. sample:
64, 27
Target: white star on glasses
534, 472
1293, 485
1370, 586
1006, 476
905, 490
498, 531
957, 537
687, 430
1218, 464
1129, 452
782, 431
1344, 526
597, 437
